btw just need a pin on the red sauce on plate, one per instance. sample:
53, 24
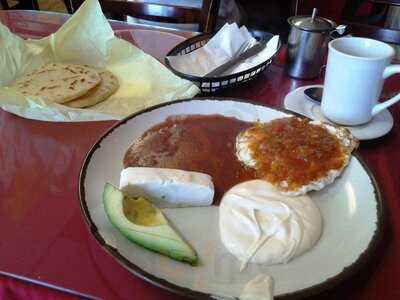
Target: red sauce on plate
194, 143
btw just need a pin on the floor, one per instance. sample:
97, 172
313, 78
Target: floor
53, 5
58, 5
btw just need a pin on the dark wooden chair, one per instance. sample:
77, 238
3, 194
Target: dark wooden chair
387, 2
351, 8
357, 26
206, 16
268, 16
387, 35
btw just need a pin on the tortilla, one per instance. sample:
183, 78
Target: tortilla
108, 85
58, 82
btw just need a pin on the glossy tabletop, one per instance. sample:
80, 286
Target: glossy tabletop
44, 236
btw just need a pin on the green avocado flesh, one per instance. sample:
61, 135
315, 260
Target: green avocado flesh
144, 224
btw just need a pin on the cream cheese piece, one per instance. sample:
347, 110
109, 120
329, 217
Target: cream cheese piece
259, 288
168, 187
259, 225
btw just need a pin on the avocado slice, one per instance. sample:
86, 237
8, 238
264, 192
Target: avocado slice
144, 224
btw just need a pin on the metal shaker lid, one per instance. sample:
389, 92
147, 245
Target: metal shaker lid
312, 23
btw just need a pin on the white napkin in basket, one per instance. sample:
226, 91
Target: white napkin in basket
219, 49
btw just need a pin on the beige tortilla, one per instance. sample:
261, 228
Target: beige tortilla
58, 82
108, 85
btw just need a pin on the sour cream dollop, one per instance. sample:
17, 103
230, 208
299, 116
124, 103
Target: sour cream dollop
259, 225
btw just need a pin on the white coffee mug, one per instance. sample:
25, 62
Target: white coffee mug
354, 77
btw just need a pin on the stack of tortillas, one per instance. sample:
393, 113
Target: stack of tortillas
73, 85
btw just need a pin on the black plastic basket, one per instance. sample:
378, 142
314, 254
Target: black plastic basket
212, 84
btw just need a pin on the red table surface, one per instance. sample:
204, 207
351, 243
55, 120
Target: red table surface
44, 236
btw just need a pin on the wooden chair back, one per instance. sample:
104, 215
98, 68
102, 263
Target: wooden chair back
206, 16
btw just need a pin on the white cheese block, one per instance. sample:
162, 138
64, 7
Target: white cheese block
168, 187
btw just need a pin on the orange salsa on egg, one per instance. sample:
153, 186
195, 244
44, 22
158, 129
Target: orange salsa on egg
294, 151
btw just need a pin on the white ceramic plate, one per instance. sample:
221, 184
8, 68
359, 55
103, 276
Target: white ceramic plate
351, 210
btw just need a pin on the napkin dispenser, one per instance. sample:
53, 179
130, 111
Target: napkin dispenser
307, 45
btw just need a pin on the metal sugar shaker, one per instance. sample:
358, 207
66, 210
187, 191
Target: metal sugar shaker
307, 45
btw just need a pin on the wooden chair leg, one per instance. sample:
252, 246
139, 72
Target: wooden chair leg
72, 5
35, 4
208, 18
68, 6
4, 4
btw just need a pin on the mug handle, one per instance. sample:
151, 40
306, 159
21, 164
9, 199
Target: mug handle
389, 71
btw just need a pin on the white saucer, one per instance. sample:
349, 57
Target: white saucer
380, 125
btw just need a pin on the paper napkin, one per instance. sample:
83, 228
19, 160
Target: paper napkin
219, 49
87, 38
